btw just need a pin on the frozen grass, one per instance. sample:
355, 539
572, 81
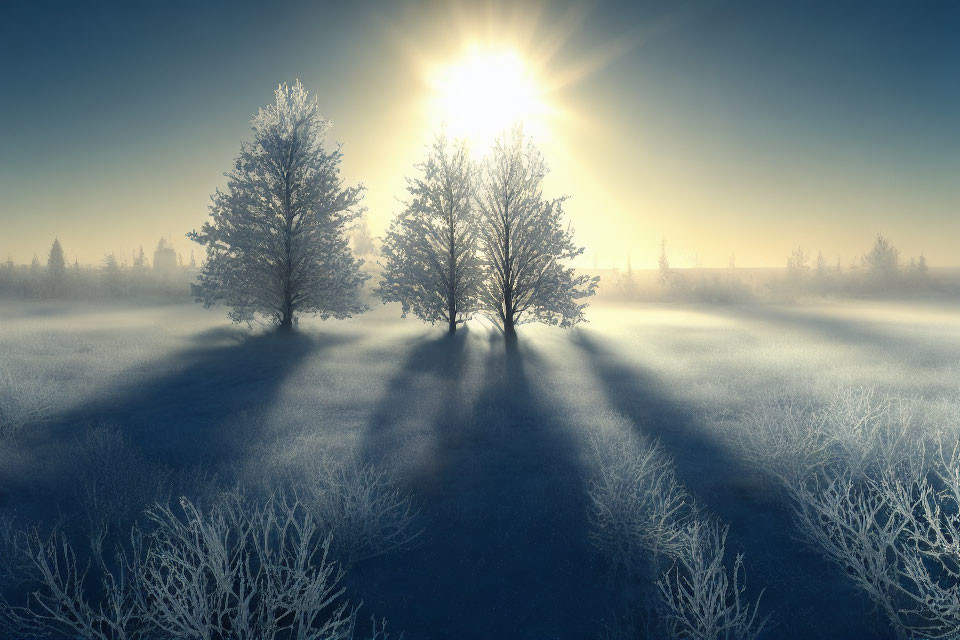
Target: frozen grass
685, 376
25, 399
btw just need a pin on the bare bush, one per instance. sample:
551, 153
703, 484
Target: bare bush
362, 506
785, 436
243, 570
870, 431
702, 601
240, 570
638, 506
928, 555
642, 515
62, 602
853, 527
865, 493
24, 400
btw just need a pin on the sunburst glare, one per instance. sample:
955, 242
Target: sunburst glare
486, 91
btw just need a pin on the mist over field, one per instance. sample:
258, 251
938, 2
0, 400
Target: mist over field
474, 320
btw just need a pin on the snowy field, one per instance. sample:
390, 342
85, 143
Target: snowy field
491, 442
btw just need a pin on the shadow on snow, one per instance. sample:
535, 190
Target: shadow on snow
505, 552
798, 583
208, 402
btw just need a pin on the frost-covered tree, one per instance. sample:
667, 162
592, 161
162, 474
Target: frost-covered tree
276, 242
524, 242
431, 265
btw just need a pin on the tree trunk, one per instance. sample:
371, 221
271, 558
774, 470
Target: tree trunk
451, 274
286, 321
509, 330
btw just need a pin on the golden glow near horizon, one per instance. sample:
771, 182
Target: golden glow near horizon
484, 92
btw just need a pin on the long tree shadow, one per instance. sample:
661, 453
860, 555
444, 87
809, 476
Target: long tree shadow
208, 402
811, 597
504, 552
873, 335
436, 363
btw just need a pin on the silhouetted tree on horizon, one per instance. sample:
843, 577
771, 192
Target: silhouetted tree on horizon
882, 262
663, 264
56, 268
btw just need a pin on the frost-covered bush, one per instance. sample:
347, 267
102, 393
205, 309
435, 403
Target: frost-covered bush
70, 598
361, 505
871, 432
866, 494
703, 600
240, 570
638, 507
858, 430
243, 570
643, 521
24, 400
784, 435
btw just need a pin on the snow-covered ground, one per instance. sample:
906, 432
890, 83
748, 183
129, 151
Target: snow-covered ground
490, 440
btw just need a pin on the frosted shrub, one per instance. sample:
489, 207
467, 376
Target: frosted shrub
784, 436
853, 526
701, 599
24, 400
638, 507
62, 602
874, 504
244, 571
642, 515
361, 505
928, 556
240, 570
870, 431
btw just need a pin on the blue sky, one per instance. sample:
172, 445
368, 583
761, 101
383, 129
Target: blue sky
740, 128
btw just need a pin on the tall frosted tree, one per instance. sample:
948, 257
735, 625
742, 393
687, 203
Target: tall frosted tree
524, 243
430, 249
276, 242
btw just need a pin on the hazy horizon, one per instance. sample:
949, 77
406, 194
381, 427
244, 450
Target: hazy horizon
730, 128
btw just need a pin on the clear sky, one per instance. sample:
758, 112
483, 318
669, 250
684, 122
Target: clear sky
742, 127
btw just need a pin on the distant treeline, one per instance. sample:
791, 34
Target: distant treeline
165, 275
878, 273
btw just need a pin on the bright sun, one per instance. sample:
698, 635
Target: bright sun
485, 92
